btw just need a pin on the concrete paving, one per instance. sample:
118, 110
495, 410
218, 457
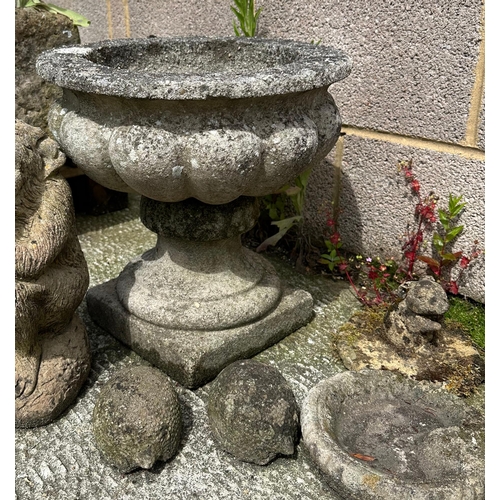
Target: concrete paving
61, 461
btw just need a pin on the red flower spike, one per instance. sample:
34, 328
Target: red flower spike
410, 255
464, 262
334, 238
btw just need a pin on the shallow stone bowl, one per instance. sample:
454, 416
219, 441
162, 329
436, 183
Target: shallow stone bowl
377, 435
210, 118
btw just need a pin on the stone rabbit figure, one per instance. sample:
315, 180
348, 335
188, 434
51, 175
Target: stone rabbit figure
52, 355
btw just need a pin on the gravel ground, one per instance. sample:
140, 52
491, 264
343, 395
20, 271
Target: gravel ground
61, 461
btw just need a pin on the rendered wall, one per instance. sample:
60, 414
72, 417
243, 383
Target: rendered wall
416, 91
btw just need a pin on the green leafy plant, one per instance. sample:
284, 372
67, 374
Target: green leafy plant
276, 206
77, 19
276, 203
378, 280
332, 257
247, 17
440, 265
440, 242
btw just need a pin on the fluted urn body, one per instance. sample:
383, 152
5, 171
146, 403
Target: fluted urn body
199, 127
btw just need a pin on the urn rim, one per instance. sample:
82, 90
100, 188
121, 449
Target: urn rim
194, 68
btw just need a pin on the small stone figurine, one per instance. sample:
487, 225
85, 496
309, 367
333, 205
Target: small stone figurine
52, 358
418, 317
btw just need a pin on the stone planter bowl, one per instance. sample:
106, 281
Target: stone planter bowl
212, 119
199, 127
379, 436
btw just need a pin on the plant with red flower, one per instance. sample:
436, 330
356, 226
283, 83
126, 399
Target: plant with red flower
380, 279
425, 216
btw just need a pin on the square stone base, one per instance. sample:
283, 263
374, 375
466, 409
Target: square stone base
194, 357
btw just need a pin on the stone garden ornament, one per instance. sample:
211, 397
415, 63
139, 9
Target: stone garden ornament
377, 435
52, 354
414, 340
137, 419
199, 127
253, 413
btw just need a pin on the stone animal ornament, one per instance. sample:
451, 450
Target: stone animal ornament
51, 281
418, 317
137, 419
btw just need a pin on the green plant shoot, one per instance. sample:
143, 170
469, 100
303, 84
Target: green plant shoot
440, 241
247, 17
332, 258
77, 19
296, 192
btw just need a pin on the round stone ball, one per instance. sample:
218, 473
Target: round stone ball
137, 419
252, 412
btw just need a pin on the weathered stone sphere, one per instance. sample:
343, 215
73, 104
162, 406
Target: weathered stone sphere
253, 413
137, 419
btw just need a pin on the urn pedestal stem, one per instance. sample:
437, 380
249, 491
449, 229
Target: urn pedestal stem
199, 276
198, 300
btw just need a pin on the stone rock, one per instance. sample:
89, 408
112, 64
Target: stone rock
137, 419
52, 351
419, 324
37, 31
376, 435
365, 342
396, 331
408, 330
253, 413
417, 317
427, 297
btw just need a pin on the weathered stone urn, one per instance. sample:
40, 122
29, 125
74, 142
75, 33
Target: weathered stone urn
199, 127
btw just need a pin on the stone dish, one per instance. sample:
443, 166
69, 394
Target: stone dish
379, 436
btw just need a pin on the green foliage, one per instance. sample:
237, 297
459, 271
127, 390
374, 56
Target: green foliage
332, 258
247, 17
471, 317
378, 279
440, 241
276, 205
297, 191
77, 19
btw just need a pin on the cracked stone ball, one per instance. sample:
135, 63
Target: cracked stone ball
252, 412
137, 419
